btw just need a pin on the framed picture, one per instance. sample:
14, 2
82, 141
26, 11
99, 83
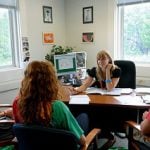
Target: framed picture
25, 46
88, 37
48, 38
47, 14
81, 59
88, 14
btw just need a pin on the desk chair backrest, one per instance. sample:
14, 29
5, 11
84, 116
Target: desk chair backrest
128, 74
31, 137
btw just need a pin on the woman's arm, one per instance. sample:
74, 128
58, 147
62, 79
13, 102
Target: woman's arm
145, 124
88, 81
110, 82
145, 127
7, 112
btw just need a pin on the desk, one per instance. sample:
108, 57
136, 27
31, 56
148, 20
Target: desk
110, 112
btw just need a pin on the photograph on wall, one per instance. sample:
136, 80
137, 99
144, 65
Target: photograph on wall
88, 14
48, 38
81, 59
88, 37
47, 14
25, 46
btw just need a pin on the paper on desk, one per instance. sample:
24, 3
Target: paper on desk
142, 90
93, 90
79, 99
126, 90
146, 99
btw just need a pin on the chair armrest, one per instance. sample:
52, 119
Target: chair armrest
92, 135
5, 105
11, 121
9, 142
133, 124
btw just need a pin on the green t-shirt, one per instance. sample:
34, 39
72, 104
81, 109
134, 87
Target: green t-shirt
62, 118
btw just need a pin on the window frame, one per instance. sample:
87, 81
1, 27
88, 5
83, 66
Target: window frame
14, 37
120, 25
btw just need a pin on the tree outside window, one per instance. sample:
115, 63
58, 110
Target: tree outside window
135, 32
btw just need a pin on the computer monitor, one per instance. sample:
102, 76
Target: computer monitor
65, 63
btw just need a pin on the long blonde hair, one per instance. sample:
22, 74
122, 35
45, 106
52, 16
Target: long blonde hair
99, 73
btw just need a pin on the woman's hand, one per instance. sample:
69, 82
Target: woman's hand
109, 66
73, 90
144, 115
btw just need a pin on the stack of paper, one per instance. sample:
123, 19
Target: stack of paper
146, 99
142, 90
79, 99
93, 90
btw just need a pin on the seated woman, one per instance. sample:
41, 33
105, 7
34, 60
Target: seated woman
38, 101
106, 75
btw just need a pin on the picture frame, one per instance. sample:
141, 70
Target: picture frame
48, 38
87, 37
47, 14
87, 14
81, 59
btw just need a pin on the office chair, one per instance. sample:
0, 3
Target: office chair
6, 134
34, 137
127, 79
132, 143
128, 74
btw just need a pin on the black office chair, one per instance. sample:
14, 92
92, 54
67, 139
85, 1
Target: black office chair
127, 79
33, 137
128, 74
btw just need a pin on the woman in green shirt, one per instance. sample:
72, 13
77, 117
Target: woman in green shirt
38, 103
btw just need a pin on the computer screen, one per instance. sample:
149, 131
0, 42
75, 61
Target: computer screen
65, 63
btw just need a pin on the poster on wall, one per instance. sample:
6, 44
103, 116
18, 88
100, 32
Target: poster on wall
87, 37
81, 59
48, 38
25, 46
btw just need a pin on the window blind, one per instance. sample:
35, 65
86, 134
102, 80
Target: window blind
8, 3
130, 2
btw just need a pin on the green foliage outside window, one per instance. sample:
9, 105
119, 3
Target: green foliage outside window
136, 32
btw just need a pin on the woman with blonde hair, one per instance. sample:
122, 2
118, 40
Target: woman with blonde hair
106, 75
38, 103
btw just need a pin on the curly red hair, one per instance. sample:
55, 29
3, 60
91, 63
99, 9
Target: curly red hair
39, 88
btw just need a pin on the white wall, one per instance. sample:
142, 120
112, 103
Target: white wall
32, 26
75, 27
67, 27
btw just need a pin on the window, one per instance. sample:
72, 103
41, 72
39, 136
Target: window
134, 30
9, 41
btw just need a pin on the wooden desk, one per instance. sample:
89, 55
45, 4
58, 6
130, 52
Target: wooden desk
111, 112
122, 101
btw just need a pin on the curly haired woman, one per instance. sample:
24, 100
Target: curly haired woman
38, 101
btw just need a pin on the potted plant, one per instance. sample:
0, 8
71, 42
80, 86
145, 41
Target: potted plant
57, 50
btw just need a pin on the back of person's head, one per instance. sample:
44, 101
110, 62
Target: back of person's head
104, 53
38, 89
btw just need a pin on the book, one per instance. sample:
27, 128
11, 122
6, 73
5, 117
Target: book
142, 90
79, 99
93, 90
146, 99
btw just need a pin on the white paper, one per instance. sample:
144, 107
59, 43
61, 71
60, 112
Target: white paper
79, 99
146, 99
141, 90
93, 90
126, 91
